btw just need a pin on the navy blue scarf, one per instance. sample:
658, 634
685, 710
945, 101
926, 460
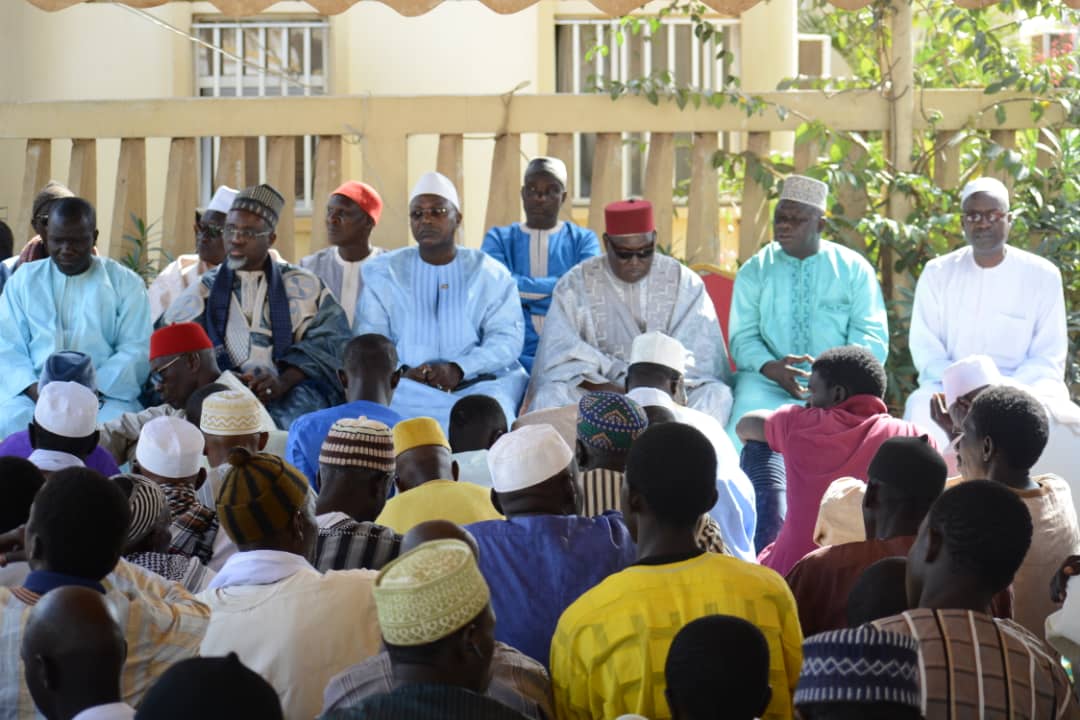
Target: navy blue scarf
42, 581
220, 299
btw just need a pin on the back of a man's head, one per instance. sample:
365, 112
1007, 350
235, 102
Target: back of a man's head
194, 405
673, 467
607, 425
370, 355
261, 501
210, 688
1014, 421
718, 666
65, 419
476, 422
421, 452
78, 524
880, 592
906, 476
853, 368
20, 481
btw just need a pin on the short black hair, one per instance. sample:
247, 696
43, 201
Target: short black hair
20, 481
880, 592
1015, 421
370, 351
7, 241
649, 374
193, 406
473, 419
71, 209
718, 661
658, 414
912, 470
82, 518
986, 530
674, 467
854, 368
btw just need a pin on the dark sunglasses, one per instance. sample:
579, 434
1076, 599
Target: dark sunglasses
210, 231
628, 254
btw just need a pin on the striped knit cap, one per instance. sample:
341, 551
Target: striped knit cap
609, 421
147, 501
358, 442
860, 665
262, 200
259, 496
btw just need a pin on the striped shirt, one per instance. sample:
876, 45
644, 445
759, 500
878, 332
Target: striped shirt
161, 621
345, 544
974, 666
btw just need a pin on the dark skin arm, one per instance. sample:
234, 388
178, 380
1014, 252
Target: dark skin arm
940, 414
602, 387
751, 426
1061, 578
278, 385
439, 375
13, 545
784, 373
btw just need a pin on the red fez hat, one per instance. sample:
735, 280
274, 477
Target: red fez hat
363, 195
179, 338
629, 217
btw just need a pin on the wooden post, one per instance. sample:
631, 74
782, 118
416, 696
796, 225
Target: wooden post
82, 172
606, 178
451, 162
35, 177
807, 153
946, 161
561, 145
703, 227
1007, 140
386, 166
327, 179
902, 135
281, 173
659, 179
130, 198
232, 163
755, 221
854, 201
180, 193
504, 199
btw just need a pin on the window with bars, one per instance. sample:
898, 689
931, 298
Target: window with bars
673, 47
261, 58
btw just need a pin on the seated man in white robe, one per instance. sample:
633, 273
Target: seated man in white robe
73, 301
453, 313
274, 323
602, 304
993, 299
185, 270
352, 212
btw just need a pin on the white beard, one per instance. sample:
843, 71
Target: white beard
234, 263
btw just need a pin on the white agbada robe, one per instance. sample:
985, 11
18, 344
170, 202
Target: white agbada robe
1015, 314
594, 318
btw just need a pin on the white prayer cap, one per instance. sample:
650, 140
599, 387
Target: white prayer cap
840, 518
229, 413
969, 374
550, 165
527, 456
222, 200
51, 461
660, 349
67, 409
991, 186
808, 191
170, 447
433, 183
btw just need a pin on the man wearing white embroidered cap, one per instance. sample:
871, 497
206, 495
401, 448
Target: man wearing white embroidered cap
544, 554
453, 313
64, 429
186, 270
990, 298
654, 378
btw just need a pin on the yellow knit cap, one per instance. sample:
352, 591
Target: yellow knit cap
409, 434
429, 593
260, 495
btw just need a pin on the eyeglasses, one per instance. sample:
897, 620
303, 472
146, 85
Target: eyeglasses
991, 216
436, 213
628, 254
553, 192
156, 375
232, 232
209, 231
42, 219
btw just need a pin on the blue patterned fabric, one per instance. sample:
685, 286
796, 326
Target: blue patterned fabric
860, 665
767, 474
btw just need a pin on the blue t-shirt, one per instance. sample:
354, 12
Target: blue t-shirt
307, 432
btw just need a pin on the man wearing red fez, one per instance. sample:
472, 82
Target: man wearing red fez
352, 212
601, 305
274, 324
181, 361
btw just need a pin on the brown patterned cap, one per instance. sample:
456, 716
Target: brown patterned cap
358, 442
261, 200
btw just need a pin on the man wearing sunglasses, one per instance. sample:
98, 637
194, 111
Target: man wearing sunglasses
602, 304
274, 324
185, 271
990, 298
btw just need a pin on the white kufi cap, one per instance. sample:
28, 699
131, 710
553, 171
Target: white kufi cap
67, 409
808, 191
991, 186
433, 183
551, 165
660, 349
969, 374
170, 447
222, 200
527, 456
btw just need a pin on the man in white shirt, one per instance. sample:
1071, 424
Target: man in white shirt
286, 621
992, 299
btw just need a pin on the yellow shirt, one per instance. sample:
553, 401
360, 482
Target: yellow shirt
608, 654
458, 502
